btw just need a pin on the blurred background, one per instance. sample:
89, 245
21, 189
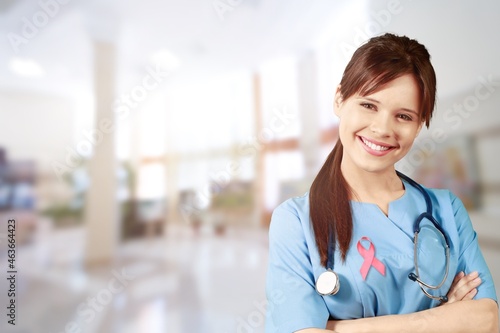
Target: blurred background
144, 145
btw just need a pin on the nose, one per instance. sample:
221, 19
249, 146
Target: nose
381, 124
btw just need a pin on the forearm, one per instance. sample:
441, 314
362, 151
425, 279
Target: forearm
467, 316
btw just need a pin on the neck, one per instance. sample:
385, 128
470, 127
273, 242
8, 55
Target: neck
372, 186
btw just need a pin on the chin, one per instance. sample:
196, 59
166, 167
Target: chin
377, 168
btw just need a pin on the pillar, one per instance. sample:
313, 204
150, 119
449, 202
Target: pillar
101, 211
308, 110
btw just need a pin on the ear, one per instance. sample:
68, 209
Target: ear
337, 101
419, 128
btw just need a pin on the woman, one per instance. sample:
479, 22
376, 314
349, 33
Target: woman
359, 215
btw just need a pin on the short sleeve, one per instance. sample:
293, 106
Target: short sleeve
293, 303
470, 256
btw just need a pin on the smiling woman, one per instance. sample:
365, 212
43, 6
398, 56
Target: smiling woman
343, 256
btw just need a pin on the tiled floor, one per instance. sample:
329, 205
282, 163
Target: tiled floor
180, 283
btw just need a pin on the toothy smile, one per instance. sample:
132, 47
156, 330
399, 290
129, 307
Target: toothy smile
373, 145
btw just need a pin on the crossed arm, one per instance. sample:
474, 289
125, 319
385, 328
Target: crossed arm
460, 314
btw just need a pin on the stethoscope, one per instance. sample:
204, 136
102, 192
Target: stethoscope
328, 282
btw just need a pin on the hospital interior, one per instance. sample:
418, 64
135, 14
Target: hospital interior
145, 144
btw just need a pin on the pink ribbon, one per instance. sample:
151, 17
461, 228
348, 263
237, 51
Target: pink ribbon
370, 260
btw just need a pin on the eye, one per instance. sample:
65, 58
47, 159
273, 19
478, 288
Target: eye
404, 116
369, 106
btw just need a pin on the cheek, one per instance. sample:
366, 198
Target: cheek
350, 123
409, 136
346, 129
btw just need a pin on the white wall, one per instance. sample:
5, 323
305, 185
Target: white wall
475, 113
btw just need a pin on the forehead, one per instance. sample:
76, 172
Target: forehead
403, 91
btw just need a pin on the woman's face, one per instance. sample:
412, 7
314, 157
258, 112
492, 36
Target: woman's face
378, 130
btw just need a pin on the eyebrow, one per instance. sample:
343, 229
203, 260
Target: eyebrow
405, 109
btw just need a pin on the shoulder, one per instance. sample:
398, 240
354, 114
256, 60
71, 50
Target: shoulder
290, 217
446, 206
447, 198
438, 193
296, 205
451, 211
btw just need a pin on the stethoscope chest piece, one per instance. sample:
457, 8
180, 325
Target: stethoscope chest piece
328, 283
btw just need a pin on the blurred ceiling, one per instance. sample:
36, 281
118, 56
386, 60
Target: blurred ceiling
207, 37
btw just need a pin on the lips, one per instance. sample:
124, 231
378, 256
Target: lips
375, 148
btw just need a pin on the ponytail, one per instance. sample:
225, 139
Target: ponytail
330, 208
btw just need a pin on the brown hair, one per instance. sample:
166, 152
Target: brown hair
375, 63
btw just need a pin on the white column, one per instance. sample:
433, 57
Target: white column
101, 213
172, 162
308, 110
172, 190
263, 217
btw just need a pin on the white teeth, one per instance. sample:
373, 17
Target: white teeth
374, 146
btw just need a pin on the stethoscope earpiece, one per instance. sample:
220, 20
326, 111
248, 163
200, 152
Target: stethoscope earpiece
328, 283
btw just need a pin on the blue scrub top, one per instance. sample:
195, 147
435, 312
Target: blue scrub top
294, 263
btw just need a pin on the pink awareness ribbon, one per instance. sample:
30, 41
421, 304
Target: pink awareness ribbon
370, 260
